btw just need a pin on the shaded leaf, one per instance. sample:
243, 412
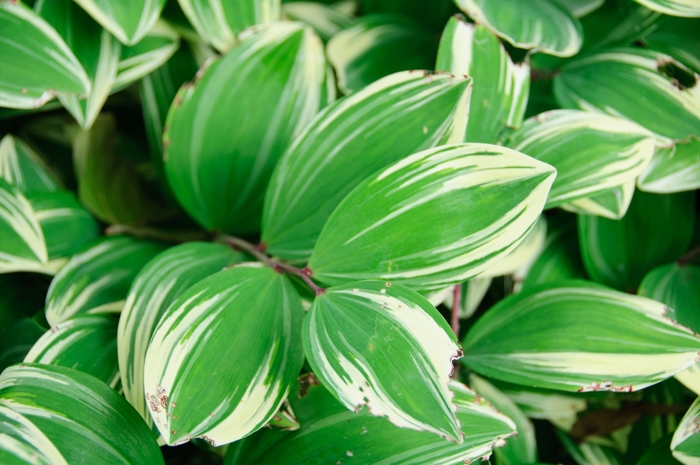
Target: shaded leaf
659, 452
618, 23
325, 20
588, 453
677, 37
673, 169
521, 257
23, 168
676, 285
432, 15
127, 20
17, 339
581, 7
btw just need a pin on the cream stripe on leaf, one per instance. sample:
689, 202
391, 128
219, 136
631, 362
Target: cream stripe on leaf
36, 62
156, 286
592, 152
22, 244
383, 123
685, 444
581, 8
500, 87
87, 343
435, 218
127, 20
673, 169
589, 453
224, 355
612, 82
97, 279
330, 433
384, 346
611, 204
23, 168
326, 20
220, 21
690, 378
684, 8
521, 257
84, 420
578, 336
541, 25
21, 442
260, 95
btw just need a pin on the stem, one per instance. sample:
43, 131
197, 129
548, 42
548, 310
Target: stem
456, 303
688, 257
280, 267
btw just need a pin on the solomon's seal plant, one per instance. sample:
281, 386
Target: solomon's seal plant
251, 232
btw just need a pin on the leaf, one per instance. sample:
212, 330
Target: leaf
673, 169
330, 433
414, 221
85, 420
579, 337
66, 225
395, 117
432, 15
24, 443
656, 230
611, 81
260, 94
224, 356
500, 90
128, 20
325, 20
685, 444
219, 21
17, 339
685, 8
588, 453
37, 63
522, 448
676, 37
581, 8
611, 204
541, 25
156, 286
592, 153
690, 378
23, 168
521, 257
386, 347
22, 245
376, 46
97, 279
87, 343
675, 285
618, 23
659, 452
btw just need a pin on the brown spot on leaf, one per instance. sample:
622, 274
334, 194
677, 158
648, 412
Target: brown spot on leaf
305, 382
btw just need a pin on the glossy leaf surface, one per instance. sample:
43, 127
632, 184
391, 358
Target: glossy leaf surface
127, 20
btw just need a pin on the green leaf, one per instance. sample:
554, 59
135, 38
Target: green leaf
357, 135
326, 20
97, 280
659, 452
677, 37
330, 434
219, 21
579, 337
541, 25
690, 378
685, 8
611, 204
24, 443
66, 225
23, 168
85, 420
611, 82
261, 94
17, 339
656, 229
618, 23
37, 63
156, 286
520, 449
676, 285
521, 257
386, 347
592, 152
87, 343
96, 49
500, 90
224, 356
128, 20
415, 222
588, 453
581, 8
686, 440
432, 15
22, 245
378, 45
673, 169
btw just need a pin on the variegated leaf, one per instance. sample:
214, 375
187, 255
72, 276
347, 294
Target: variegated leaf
23, 168
128, 20
612, 80
97, 279
23, 443
473, 292
383, 123
87, 343
36, 62
677, 37
375, 46
330, 434
673, 169
676, 285
581, 7
386, 347
592, 153
96, 49
523, 255
685, 8
149, 54
65, 414
500, 89
690, 378
156, 286
611, 204
22, 244
541, 25
413, 222
219, 21
588, 453
618, 23
260, 94
432, 15
326, 20
686, 440
579, 337
560, 409
224, 356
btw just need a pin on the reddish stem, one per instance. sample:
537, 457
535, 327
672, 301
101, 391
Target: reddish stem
687, 258
456, 303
